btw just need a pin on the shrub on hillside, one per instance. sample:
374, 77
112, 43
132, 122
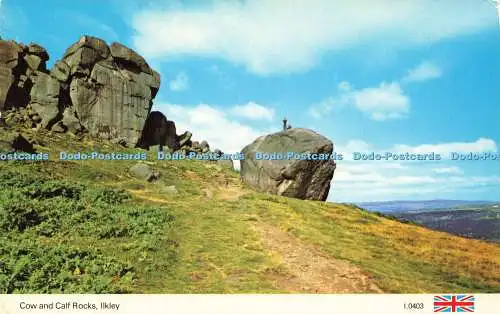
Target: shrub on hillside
28, 267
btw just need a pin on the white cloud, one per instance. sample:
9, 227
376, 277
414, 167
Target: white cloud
451, 169
373, 181
423, 72
354, 146
384, 102
210, 124
480, 145
253, 111
215, 126
444, 149
383, 180
180, 83
285, 36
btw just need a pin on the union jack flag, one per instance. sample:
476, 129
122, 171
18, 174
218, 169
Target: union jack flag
454, 303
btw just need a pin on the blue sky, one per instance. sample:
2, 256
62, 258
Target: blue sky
371, 75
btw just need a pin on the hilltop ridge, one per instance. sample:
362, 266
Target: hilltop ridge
199, 229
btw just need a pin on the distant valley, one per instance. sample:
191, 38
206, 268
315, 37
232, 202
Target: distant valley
473, 219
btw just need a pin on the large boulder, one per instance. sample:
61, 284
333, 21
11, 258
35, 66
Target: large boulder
159, 131
112, 95
107, 91
291, 177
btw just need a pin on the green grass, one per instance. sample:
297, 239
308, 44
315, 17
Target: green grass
88, 226
63, 236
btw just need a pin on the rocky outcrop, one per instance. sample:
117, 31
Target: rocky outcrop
292, 177
104, 90
160, 134
111, 90
19, 65
159, 131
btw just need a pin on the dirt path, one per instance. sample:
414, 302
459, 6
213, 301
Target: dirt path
230, 193
305, 268
310, 270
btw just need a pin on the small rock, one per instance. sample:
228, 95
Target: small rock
204, 146
119, 141
71, 121
36, 118
143, 172
58, 127
185, 138
16, 142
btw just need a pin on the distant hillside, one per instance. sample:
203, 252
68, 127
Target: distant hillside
479, 221
405, 206
193, 227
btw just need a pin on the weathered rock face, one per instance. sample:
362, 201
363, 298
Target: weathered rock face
107, 91
112, 93
159, 131
19, 64
45, 98
103, 90
303, 179
16, 142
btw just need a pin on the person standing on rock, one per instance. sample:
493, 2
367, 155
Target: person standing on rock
286, 126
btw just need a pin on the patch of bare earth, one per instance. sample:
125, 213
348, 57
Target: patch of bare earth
230, 193
308, 270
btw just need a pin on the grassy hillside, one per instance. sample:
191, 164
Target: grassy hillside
88, 226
